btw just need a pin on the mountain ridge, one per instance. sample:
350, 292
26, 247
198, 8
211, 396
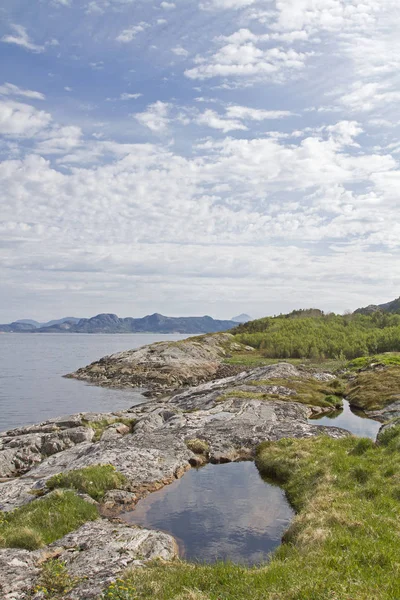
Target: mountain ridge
111, 323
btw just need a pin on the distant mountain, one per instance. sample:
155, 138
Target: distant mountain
109, 323
388, 307
243, 318
37, 325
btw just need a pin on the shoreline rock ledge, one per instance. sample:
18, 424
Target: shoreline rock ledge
229, 416
166, 366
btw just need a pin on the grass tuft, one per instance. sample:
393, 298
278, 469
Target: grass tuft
94, 481
43, 521
198, 446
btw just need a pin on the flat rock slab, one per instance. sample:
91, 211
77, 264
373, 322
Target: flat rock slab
155, 452
96, 554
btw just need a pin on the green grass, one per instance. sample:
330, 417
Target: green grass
256, 359
363, 362
375, 388
344, 543
308, 391
44, 521
94, 481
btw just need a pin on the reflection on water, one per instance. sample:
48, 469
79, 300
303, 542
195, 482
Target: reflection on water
219, 512
347, 419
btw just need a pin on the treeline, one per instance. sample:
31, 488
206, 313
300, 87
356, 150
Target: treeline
320, 336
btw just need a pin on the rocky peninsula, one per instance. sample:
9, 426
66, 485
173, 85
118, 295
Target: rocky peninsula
149, 446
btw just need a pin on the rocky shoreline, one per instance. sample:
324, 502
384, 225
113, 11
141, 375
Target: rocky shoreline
166, 366
150, 444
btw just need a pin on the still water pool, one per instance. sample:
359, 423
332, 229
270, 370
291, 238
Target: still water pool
219, 512
355, 422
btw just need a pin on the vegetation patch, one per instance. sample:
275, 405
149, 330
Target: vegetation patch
308, 391
198, 446
364, 362
313, 335
344, 543
55, 581
99, 427
43, 521
94, 481
121, 589
374, 389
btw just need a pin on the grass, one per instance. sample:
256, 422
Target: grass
363, 362
344, 543
256, 359
99, 427
44, 521
94, 481
198, 446
308, 391
375, 388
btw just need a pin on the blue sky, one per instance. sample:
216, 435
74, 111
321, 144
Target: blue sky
194, 157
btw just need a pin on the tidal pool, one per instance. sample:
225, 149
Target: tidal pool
219, 512
355, 422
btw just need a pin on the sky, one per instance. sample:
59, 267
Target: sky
198, 157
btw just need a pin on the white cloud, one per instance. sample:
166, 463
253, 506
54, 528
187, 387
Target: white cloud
255, 114
155, 117
21, 38
168, 5
127, 96
211, 119
9, 89
243, 58
127, 35
21, 120
179, 51
67, 88
226, 4
368, 96
60, 140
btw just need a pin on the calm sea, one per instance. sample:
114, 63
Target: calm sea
32, 388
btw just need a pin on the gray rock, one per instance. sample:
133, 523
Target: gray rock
156, 452
164, 365
97, 553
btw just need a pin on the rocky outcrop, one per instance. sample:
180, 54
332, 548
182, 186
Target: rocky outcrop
23, 448
94, 556
228, 414
165, 365
153, 452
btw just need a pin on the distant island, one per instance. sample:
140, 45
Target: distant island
110, 323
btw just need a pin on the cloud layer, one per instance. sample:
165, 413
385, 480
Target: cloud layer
249, 164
